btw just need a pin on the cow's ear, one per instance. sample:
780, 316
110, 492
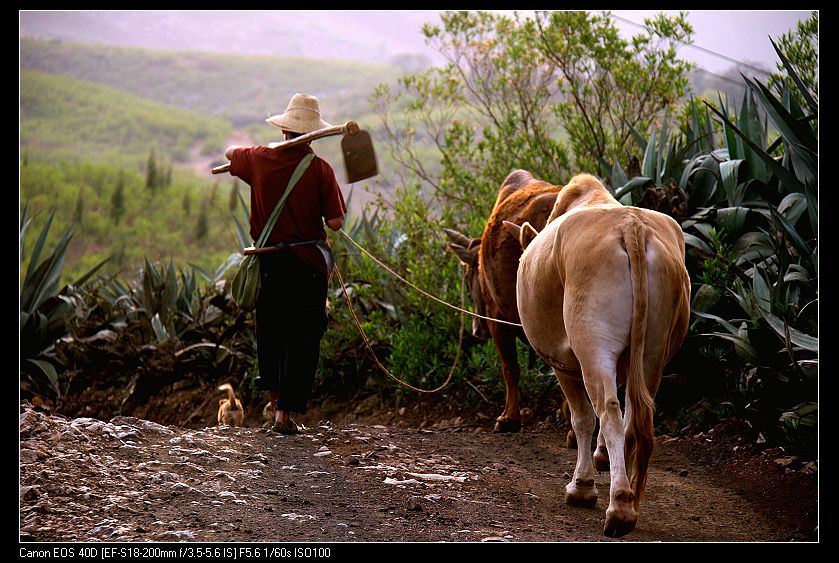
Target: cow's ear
524, 234
528, 233
465, 255
513, 229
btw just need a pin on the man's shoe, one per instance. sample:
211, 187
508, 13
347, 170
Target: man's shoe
286, 428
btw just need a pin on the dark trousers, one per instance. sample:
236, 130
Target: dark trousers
290, 322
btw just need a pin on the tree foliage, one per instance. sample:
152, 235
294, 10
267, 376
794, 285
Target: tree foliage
119, 217
118, 200
610, 85
801, 47
152, 176
524, 93
462, 128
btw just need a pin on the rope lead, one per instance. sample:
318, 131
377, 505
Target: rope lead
425, 293
373, 354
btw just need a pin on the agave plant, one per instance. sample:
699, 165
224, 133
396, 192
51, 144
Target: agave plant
751, 225
160, 327
44, 304
777, 251
674, 174
169, 302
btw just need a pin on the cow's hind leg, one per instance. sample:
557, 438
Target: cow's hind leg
621, 515
599, 368
570, 438
581, 491
601, 454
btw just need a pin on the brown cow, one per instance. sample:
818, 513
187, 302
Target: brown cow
492, 261
603, 296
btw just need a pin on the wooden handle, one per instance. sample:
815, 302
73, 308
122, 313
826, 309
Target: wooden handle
261, 250
348, 128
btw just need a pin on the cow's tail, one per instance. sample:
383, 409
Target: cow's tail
639, 431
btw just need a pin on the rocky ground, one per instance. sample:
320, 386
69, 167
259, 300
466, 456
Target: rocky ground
131, 480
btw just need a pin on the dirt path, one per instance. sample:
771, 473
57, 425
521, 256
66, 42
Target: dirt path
134, 480
202, 164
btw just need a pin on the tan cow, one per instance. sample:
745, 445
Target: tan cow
603, 295
492, 261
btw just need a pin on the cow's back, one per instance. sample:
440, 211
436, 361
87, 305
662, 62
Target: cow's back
522, 198
587, 249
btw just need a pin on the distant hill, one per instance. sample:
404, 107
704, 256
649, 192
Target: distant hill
64, 117
243, 89
89, 116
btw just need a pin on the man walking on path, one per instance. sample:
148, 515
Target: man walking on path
290, 311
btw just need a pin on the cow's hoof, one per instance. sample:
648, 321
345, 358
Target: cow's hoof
621, 515
581, 493
619, 523
507, 425
601, 459
571, 440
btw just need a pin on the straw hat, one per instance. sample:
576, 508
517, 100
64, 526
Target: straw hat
301, 116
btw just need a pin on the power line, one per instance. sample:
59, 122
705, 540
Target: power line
720, 76
701, 69
703, 49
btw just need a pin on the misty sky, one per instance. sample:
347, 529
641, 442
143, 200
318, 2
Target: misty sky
741, 35
360, 35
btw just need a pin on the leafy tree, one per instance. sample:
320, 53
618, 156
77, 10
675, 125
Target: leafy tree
152, 180
118, 200
510, 87
801, 47
78, 212
186, 203
610, 85
483, 115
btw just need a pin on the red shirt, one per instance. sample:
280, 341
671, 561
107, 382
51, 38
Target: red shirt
317, 196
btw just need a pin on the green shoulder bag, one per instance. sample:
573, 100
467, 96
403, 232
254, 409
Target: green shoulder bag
246, 282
